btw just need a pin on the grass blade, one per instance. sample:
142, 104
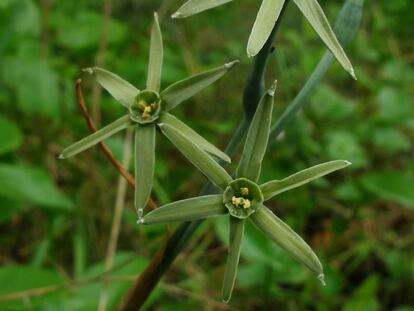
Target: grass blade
155, 57
280, 233
187, 210
182, 90
275, 187
95, 138
192, 7
265, 21
346, 26
257, 138
199, 158
144, 165
121, 90
316, 17
236, 237
194, 136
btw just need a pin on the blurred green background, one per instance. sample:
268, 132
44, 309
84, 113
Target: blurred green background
56, 216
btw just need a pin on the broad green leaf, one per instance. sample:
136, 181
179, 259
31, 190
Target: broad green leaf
187, 210
257, 138
121, 90
275, 187
192, 7
31, 185
10, 135
97, 137
182, 90
391, 185
236, 237
265, 21
144, 165
280, 233
199, 158
155, 57
346, 26
194, 136
316, 17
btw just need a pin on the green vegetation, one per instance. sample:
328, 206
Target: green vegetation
56, 216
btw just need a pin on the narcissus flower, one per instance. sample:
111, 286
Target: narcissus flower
241, 197
265, 21
147, 109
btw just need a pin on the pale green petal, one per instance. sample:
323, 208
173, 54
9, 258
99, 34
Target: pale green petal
95, 138
275, 187
235, 241
280, 233
199, 158
314, 14
193, 136
144, 165
192, 7
182, 90
121, 90
257, 138
156, 57
265, 21
187, 210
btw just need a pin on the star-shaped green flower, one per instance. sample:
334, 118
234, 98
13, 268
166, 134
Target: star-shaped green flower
265, 21
242, 198
145, 110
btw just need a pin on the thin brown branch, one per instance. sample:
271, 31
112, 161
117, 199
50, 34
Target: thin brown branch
108, 153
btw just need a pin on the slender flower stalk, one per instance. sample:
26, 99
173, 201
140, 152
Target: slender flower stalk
269, 13
241, 197
146, 110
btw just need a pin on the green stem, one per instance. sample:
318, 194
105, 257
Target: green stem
253, 91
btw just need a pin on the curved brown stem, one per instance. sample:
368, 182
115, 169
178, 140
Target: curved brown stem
108, 153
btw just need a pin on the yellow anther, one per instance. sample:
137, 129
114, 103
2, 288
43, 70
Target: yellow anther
142, 105
235, 201
247, 203
244, 191
147, 112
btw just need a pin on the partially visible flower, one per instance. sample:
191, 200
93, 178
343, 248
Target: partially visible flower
148, 108
242, 198
265, 21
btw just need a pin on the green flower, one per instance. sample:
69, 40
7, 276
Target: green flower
147, 109
265, 21
242, 198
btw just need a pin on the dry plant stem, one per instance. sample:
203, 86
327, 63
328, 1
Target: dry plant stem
100, 59
116, 223
108, 153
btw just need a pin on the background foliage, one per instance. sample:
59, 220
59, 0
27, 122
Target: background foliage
55, 216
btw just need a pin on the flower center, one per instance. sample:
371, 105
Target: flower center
242, 198
146, 107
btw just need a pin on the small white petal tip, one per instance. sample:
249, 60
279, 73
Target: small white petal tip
321, 279
61, 157
140, 221
177, 15
272, 89
88, 70
348, 163
352, 73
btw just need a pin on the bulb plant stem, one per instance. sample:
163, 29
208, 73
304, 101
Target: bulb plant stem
254, 89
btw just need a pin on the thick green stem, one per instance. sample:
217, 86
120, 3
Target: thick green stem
253, 91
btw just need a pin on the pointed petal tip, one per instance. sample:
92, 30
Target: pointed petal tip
177, 15
352, 73
348, 163
321, 278
155, 15
272, 89
140, 221
88, 70
62, 157
225, 299
232, 64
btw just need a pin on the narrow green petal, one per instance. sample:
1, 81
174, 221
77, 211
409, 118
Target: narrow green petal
257, 138
265, 21
275, 187
192, 7
280, 233
187, 210
236, 237
121, 90
182, 90
95, 138
314, 14
193, 136
155, 58
199, 158
144, 165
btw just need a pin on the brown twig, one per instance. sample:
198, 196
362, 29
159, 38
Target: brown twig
108, 153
